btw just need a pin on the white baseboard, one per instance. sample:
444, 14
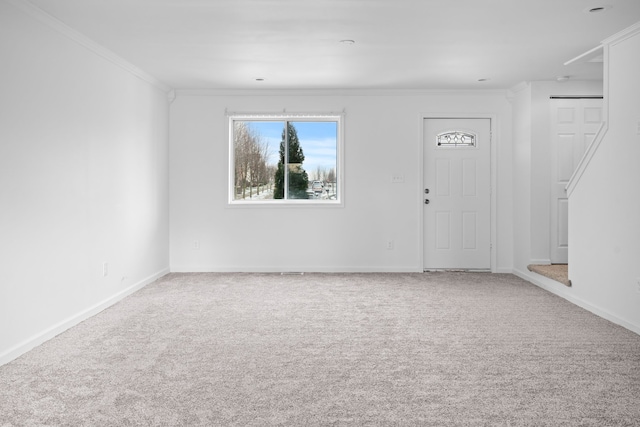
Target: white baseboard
28, 344
566, 293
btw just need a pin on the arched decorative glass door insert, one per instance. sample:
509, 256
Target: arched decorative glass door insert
456, 139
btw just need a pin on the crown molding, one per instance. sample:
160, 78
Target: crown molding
520, 86
623, 35
336, 92
514, 90
171, 96
62, 28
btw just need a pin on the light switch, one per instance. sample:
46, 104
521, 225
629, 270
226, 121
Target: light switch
397, 178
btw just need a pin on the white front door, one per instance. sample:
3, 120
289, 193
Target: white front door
457, 186
574, 124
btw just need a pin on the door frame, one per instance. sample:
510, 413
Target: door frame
493, 181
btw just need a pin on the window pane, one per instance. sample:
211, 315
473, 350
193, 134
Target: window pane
281, 158
255, 155
312, 160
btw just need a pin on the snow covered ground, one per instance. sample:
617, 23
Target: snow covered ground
267, 194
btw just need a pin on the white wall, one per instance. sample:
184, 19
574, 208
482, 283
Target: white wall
604, 206
83, 180
522, 174
532, 166
382, 137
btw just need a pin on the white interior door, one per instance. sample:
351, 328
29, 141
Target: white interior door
574, 124
457, 176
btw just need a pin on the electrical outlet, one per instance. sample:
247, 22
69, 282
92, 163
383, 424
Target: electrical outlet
105, 269
389, 245
638, 285
196, 245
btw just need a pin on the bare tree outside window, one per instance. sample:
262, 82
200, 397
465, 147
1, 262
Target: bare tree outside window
251, 154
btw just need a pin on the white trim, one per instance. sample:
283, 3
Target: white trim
595, 51
519, 88
586, 158
336, 92
171, 96
566, 293
284, 116
493, 128
58, 328
62, 28
623, 35
285, 204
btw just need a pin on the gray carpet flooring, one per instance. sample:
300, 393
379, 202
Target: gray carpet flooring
433, 349
557, 272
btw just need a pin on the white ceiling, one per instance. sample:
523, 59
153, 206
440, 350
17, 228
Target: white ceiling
399, 44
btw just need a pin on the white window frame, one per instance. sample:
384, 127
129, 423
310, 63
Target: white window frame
284, 117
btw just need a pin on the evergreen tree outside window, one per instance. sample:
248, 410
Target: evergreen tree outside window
292, 159
297, 178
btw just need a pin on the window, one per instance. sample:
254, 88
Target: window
285, 159
456, 139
